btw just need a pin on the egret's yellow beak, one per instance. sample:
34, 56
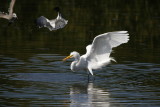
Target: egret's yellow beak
67, 57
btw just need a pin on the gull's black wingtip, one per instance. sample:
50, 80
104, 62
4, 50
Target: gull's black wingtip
57, 9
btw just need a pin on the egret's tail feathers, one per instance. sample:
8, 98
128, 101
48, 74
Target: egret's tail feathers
90, 70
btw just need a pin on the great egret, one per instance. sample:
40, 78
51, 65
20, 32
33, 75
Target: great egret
98, 53
10, 16
53, 24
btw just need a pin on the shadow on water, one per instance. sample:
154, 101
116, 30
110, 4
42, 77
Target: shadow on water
32, 72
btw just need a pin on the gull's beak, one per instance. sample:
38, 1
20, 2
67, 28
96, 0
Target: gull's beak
67, 57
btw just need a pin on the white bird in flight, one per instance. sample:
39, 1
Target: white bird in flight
10, 16
53, 24
98, 53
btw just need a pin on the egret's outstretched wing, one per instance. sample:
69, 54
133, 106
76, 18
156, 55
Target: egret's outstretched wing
10, 10
99, 51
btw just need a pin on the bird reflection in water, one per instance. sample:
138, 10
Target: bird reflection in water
88, 96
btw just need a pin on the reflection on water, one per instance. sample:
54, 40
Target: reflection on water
32, 72
88, 96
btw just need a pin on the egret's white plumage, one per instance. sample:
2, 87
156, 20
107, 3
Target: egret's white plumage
98, 53
10, 16
53, 24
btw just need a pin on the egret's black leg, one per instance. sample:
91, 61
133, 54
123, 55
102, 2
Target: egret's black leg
88, 77
93, 77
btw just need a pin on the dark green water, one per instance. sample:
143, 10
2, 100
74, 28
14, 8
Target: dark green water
32, 72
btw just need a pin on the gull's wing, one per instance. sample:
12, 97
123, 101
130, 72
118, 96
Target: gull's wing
44, 22
99, 51
59, 22
10, 10
3, 15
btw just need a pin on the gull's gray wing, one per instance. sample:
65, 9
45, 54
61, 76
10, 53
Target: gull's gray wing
59, 22
3, 15
10, 10
44, 22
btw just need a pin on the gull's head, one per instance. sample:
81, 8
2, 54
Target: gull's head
14, 15
57, 9
73, 54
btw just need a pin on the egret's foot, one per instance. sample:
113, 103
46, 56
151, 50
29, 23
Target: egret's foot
91, 79
88, 78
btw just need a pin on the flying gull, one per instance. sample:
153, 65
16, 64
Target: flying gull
10, 15
53, 24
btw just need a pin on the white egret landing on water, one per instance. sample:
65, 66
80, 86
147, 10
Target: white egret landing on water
98, 53
53, 24
10, 16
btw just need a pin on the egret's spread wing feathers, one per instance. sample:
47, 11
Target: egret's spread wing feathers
101, 48
88, 49
10, 10
99, 53
117, 38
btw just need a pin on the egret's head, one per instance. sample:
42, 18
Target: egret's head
73, 54
14, 15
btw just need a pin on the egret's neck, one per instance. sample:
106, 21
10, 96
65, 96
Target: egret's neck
77, 58
74, 65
